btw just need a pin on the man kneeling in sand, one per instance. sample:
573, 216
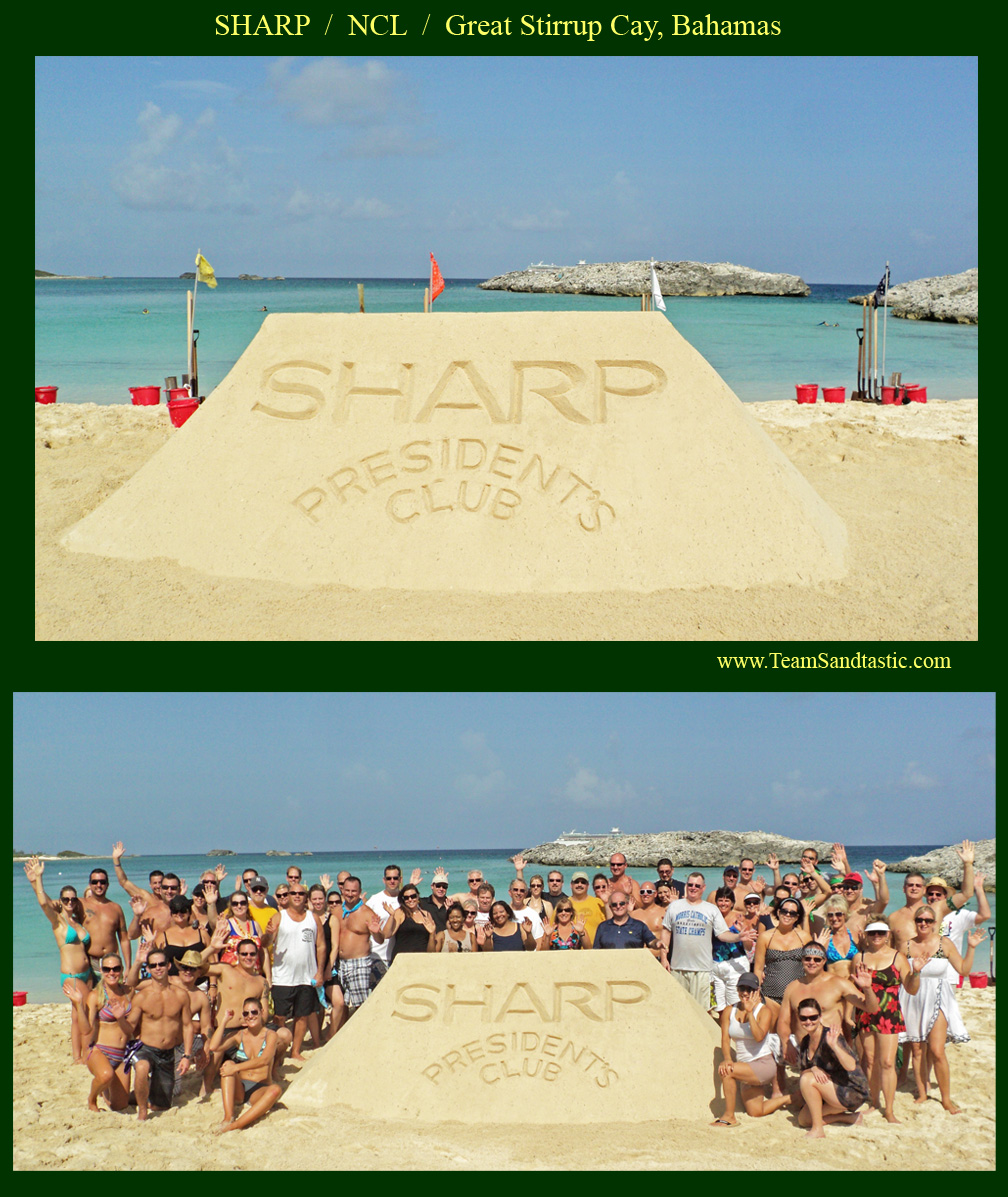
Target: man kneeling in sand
246, 1074
161, 1020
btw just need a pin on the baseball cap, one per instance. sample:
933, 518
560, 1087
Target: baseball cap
856, 877
259, 882
747, 981
730, 871
579, 876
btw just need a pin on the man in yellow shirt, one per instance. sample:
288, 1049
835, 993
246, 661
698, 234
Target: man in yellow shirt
587, 907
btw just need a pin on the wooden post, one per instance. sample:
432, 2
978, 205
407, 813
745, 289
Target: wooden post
360, 295
426, 299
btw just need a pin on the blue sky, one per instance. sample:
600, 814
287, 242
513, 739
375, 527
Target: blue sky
329, 167
189, 772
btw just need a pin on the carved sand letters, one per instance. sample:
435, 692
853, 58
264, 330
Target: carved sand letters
426, 1002
579, 394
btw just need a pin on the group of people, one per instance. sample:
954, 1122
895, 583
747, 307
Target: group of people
803, 970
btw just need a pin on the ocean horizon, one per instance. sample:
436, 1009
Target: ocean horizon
94, 341
36, 957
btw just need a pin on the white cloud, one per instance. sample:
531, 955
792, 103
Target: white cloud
303, 205
332, 92
534, 222
180, 167
587, 789
914, 778
794, 793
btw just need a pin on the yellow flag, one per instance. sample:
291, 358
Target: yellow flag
204, 271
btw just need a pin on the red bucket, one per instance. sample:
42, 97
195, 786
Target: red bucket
20, 997
45, 394
915, 393
145, 396
181, 409
807, 391
978, 980
889, 395
833, 394
179, 393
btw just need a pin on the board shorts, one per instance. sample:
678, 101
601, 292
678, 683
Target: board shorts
162, 1073
294, 1001
355, 980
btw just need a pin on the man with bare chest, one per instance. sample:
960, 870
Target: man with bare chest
105, 922
648, 911
161, 1019
352, 929
830, 990
155, 906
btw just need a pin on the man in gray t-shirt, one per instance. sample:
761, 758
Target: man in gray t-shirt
688, 929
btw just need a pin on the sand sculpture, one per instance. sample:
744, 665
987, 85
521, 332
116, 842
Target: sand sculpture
516, 1037
531, 451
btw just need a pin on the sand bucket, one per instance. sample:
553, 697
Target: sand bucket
45, 394
20, 997
888, 394
181, 409
145, 396
807, 391
915, 393
833, 394
978, 980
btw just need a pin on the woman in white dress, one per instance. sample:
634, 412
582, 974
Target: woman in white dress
931, 1014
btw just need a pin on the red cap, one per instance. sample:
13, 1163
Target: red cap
855, 877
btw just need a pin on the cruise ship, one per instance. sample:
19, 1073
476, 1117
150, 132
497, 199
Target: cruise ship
575, 838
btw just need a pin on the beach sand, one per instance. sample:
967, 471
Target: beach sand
903, 479
54, 1130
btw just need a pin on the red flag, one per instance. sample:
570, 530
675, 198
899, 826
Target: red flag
436, 281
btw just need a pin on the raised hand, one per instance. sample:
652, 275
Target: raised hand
759, 885
416, 876
579, 927
183, 886
389, 908
440, 875
73, 991
34, 868
976, 938
518, 861
373, 921
117, 851
326, 880
117, 1005
138, 904
862, 977
220, 935
879, 867
978, 880
220, 872
772, 861
967, 852
210, 891
425, 918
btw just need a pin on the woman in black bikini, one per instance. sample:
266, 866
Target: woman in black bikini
832, 1084
181, 935
246, 1075
412, 926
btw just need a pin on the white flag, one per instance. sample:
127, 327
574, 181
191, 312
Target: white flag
656, 291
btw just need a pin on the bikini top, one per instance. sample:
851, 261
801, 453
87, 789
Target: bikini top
832, 955
240, 1050
106, 1015
73, 937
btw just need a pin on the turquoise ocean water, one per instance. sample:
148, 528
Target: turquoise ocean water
93, 342
36, 959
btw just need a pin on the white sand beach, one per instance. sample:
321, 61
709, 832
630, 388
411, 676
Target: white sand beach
53, 1129
904, 481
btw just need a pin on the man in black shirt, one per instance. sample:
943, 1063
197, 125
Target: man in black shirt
665, 871
437, 904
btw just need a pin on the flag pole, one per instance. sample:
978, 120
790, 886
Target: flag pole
192, 321
885, 317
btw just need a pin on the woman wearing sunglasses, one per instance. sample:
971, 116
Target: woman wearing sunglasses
103, 1011
932, 1014
778, 958
832, 1085
412, 926
881, 1030
535, 900
66, 917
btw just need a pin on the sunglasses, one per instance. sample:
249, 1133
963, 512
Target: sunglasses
876, 933
789, 910
439, 885
470, 914
115, 969
850, 885
332, 901
647, 891
935, 893
808, 1017
236, 905
410, 897
258, 889
282, 893
157, 964
248, 953
184, 968
67, 901
924, 922
475, 880
393, 877
97, 881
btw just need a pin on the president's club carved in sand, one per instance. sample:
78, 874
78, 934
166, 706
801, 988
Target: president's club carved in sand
532, 451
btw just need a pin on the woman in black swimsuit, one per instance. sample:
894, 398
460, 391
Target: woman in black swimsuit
832, 1084
412, 926
508, 934
181, 935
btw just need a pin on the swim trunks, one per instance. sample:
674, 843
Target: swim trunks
162, 1073
355, 980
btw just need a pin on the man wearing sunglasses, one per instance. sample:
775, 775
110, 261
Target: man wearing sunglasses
105, 922
436, 904
914, 888
649, 912
830, 990
381, 903
160, 1019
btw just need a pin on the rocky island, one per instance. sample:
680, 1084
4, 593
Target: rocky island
706, 849
953, 298
634, 278
946, 863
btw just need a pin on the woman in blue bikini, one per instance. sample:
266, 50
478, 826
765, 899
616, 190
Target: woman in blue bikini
246, 1074
67, 918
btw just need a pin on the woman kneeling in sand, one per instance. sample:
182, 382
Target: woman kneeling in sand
245, 1075
748, 1027
832, 1085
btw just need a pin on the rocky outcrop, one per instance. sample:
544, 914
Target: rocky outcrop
634, 278
250, 278
706, 849
952, 298
945, 863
